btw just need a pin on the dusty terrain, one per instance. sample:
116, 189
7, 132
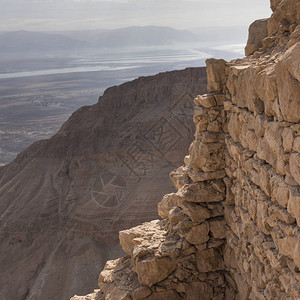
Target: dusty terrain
63, 200
34, 108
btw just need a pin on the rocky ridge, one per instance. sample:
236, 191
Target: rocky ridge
231, 231
64, 200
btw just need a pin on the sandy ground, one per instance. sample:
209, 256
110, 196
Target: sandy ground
34, 108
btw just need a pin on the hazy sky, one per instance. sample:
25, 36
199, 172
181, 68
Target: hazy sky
92, 14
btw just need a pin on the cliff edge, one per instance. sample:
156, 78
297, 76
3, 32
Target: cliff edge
64, 200
231, 231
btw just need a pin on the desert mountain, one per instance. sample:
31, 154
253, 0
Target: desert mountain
26, 42
144, 36
63, 200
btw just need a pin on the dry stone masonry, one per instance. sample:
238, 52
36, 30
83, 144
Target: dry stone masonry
232, 229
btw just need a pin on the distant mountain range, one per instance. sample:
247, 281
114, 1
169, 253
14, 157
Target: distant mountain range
28, 41
25, 42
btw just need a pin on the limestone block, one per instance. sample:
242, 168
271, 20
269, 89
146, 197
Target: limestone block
216, 209
229, 257
258, 30
288, 90
217, 227
289, 246
220, 99
179, 177
259, 127
115, 293
232, 220
209, 260
234, 126
215, 126
277, 261
282, 214
270, 147
246, 96
199, 111
207, 157
202, 192
296, 145
207, 137
288, 139
175, 215
237, 70
248, 138
294, 37
166, 204
152, 270
279, 190
196, 212
206, 100
294, 203
198, 234
262, 217
182, 273
291, 60
295, 166
231, 87
135, 236
265, 87
107, 275
204, 176
216, 78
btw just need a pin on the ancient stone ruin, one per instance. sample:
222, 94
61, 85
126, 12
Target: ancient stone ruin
231, 231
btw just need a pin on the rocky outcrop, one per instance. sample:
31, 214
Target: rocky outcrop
231, 231
64, 200
258, 30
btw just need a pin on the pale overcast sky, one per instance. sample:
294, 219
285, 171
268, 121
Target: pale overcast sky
110, 14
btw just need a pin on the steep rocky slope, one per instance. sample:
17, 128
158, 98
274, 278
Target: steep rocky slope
231, 231
63, 200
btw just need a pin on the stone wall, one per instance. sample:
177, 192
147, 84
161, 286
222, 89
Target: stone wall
231, 231
262, 208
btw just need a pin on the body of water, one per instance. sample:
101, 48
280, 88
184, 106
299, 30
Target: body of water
117, 61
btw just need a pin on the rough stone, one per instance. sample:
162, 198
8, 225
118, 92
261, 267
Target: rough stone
258, 30
201, 192
198, 234
152, 270
295, 166
215, 74
294, 203
209, 260
196, 212
179, 177
217, 228
211, 158
288, 92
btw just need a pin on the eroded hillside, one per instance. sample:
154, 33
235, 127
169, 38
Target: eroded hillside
63, 200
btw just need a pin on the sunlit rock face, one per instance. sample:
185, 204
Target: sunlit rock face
231, 230
64, 200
